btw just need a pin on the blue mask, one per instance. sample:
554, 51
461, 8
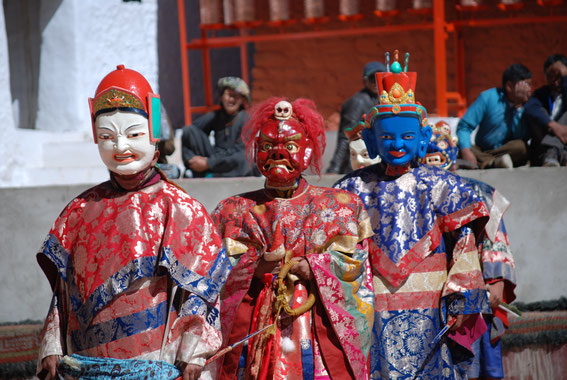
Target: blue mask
397, 140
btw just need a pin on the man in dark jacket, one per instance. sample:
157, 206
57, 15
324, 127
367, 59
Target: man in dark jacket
227, 157
546, 112
351, 113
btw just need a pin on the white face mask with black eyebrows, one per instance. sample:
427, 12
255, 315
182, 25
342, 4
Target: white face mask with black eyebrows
124, 142
359, 155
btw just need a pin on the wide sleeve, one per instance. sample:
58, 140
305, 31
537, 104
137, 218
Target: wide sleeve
240, 230
200, 329
193, 254
464, 279
494, 248
464, 291
52, 341
344, 281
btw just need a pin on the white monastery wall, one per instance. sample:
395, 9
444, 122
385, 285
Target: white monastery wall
81, 42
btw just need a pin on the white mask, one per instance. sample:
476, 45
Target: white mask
359, 155
124, 142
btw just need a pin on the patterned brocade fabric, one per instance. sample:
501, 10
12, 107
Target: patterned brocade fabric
329, 228
135, 275
497, 265
494, 247
425, 266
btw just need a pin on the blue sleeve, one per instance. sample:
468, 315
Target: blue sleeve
471, 119
535, 108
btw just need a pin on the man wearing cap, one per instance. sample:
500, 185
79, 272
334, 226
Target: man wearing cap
351, 112
226, 158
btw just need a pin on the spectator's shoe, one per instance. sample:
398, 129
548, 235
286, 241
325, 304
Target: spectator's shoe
188, 173
550, 162
504, 161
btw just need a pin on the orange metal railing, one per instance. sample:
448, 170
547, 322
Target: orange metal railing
439, 25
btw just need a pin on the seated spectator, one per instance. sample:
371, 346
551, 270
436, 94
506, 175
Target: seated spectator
351, 113
546, 113
227, 157
166, 146
497, 114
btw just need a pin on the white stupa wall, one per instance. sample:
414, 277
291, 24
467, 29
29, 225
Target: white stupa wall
6, 117
81, 42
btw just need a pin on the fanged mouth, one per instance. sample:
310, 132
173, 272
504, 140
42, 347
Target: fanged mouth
397, 153
278, 165
434, 160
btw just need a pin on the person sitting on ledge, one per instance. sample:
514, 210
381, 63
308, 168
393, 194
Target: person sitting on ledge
496, 114
226, 158
547, 115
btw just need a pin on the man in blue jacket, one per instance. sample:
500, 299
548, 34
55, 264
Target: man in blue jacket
497, 116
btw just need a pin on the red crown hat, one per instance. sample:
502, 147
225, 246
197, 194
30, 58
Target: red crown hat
127, 90
396, 88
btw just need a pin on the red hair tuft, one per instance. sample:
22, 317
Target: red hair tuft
304, 110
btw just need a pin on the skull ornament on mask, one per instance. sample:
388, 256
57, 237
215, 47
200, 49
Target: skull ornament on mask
283, 148
282, 110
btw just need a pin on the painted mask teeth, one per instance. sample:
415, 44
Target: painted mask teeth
123, 157
278, 166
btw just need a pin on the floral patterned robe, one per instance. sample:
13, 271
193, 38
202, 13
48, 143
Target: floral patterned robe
135, 275
497, 265
326, 226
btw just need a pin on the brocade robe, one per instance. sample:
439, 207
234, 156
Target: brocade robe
418, 281
494, 248
329, 228
497, 265
136, 275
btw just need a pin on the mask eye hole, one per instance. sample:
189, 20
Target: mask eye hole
292, 148
135, 135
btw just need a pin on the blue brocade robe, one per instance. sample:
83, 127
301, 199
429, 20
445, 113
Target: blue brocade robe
419, 279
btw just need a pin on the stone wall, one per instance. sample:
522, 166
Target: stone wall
535, 223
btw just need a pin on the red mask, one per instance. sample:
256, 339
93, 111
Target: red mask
283, 152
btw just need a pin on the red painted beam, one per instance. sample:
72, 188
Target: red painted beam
184, 61
231, 41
